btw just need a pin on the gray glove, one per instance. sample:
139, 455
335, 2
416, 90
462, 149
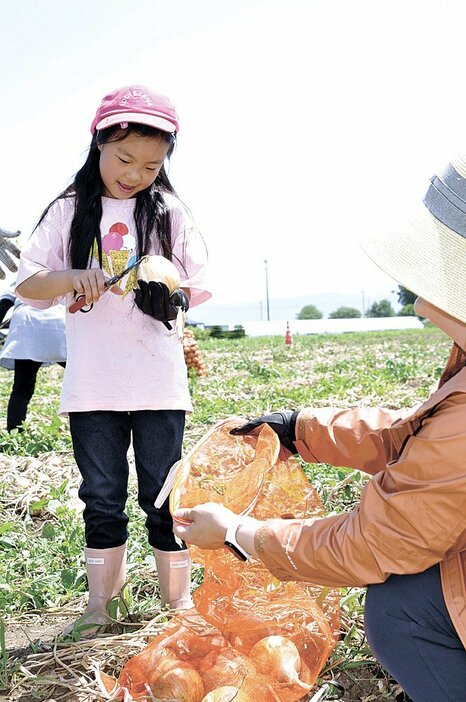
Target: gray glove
7, 250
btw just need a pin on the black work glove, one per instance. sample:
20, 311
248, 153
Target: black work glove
154, 299
178, 298
283, 424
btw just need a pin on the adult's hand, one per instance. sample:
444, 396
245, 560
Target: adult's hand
7, 251
283, 424
205, 525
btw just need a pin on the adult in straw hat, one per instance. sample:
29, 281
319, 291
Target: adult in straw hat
406, 540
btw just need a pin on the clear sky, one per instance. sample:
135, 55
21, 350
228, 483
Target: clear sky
303, 122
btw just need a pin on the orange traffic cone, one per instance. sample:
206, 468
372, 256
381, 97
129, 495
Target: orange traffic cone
288, 336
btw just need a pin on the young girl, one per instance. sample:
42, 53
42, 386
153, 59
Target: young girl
125, 377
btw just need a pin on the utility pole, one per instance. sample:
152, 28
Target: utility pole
363, 305
267, 290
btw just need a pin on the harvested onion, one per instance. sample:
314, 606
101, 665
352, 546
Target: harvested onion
182, 683
226, 693
167, 661
291, 692
159, 269
225, 667
145, 667
278, 657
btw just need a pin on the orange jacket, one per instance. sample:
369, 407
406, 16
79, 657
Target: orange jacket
412, 513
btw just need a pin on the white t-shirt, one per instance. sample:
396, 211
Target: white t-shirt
118, 357
35, 335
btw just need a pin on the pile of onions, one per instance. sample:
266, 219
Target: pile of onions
192, 353
160, 270
278, 657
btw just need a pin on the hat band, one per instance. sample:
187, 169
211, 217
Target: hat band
159, 121
446, 200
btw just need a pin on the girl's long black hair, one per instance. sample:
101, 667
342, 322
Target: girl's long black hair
150, 214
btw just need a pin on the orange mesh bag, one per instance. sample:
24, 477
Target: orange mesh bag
250, 638
192, 353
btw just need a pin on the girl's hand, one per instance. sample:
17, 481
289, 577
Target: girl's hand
91, 284
207, 525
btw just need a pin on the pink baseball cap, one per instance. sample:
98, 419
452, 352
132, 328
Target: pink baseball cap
136, 103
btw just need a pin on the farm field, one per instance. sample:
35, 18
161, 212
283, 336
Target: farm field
42, 580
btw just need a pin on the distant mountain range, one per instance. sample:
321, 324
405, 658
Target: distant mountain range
284, 308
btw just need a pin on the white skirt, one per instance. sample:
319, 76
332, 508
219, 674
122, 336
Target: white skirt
35, 335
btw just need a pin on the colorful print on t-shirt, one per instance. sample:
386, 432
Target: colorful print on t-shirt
119, 252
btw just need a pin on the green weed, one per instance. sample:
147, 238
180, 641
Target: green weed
36, 436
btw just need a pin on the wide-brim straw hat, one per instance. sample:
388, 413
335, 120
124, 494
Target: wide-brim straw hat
427, 254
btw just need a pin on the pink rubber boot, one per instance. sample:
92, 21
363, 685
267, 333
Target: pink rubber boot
106, 575
174, 571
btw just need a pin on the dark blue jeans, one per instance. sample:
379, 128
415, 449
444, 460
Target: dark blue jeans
100, 442
412, 636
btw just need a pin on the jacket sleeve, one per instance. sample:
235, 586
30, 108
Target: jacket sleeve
409, 516
353, 438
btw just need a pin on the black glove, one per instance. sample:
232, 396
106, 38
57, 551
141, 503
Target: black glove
154, 299
178, 298
283, 424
